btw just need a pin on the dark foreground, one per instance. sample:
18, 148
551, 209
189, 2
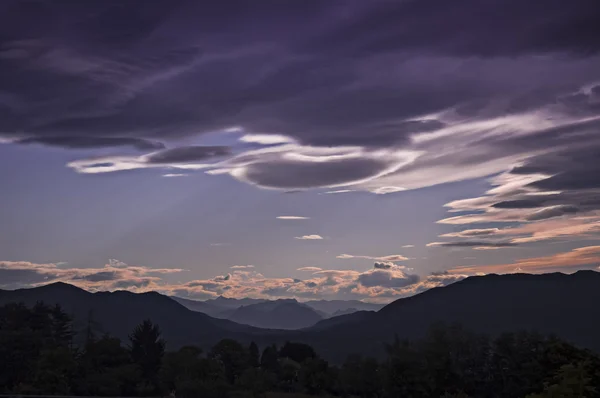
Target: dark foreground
40, 357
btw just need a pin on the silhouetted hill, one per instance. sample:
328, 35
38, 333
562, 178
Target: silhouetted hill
560, 304
119, 312
278, 314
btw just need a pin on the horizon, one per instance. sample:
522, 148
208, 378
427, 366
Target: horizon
318, 152
299, 300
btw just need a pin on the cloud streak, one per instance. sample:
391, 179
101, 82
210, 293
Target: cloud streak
309, 237
392, 257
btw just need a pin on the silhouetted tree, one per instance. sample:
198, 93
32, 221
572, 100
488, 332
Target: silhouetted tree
298, 352
571, 381
254, 355
147, 349
316, 376
269, 360
361, 377
233, 357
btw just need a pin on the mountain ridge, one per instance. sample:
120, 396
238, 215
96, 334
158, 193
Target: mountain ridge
556, 303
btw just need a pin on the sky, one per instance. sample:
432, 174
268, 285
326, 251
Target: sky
316, 150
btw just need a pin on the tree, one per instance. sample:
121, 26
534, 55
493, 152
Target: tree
62, 329
147, 349
297, 352
105, 369
254, 356
315, 376
269, 360
405, 371
55, 370
257, 381
571, 381
232, 356
361, 377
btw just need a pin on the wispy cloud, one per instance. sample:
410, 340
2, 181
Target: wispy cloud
309, 237
392, 257
242, 266
292, 218
309, 269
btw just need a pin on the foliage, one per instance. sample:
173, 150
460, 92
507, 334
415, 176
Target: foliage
38, 356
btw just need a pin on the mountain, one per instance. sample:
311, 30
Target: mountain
559, 304
119, 312
341, 307
346, 319
277, 314
232, 303
195, 305
224, 308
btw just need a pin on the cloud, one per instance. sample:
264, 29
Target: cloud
175, 175
384, 265
470, 233
75, 142
189, 154
114, 275
550, 212
392, 258
292, 218
548, 196
309, 237
583, 256
387, 278
267, 139
473, 244
408, 246
309, 269
242, 266
361, 99
339, 191
185, 158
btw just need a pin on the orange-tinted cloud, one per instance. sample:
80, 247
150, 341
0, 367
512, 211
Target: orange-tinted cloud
561, 261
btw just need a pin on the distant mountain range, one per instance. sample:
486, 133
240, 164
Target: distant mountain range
564, 305
276, 314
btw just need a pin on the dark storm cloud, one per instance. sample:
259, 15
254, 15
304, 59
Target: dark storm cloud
470, 28
92, 142
187, 154
348, 73
313, 174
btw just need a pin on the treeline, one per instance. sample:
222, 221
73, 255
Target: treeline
38, 356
